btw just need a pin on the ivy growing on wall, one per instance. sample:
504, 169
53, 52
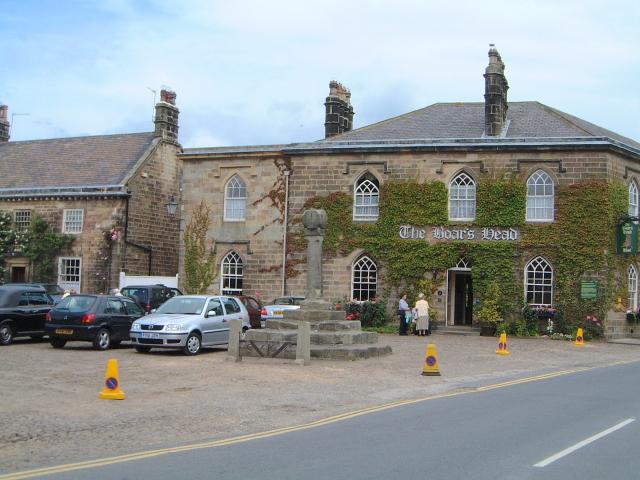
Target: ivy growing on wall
580, 243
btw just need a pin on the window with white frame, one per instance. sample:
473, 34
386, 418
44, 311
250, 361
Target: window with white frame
633, 199
462, 198
539, 282
235, 199
70, 273
72, 220
366, 198
633, 288
364, 281
540, 197
22, 220
232, 273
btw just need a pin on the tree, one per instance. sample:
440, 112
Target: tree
199, 260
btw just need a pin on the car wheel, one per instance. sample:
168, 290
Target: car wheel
6, 334
193, 345
143, 349
102, 340
57, 342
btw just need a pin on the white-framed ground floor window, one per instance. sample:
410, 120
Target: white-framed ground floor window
364, 280
232, 274
70, 273
539, 282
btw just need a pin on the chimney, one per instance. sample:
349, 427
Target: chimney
4, 124
339, 112
166, 120
495, 94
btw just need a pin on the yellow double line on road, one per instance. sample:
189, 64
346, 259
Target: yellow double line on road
280, 431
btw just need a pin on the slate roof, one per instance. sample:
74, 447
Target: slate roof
71, 162
466, 121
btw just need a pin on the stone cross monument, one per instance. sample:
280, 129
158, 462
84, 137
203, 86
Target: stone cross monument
315, 223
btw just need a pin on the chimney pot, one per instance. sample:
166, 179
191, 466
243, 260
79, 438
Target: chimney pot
4, 123
166, 119
338, 111
495, 94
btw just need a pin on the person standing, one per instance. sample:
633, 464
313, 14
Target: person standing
403, 312
422, 310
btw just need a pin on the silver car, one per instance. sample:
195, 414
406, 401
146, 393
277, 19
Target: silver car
276, 308
189, 322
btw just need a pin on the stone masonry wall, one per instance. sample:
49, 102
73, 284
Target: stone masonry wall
149, 224
260, 246
99, 215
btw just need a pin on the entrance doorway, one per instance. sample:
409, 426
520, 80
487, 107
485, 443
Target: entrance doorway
18, 274
460, 307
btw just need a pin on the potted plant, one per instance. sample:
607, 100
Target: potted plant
489, 315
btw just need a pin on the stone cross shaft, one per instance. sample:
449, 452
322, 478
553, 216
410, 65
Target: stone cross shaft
315, 223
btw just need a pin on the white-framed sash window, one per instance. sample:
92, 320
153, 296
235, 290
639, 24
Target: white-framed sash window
632, 276
70, 273
232, 274
364, 279
540, 197
366, 198
235, 200
22, 220
539, 282
72, 220
462, 198
633, 199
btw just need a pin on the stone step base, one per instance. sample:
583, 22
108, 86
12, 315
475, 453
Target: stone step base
353, 352
330, 326
349, 337
314, 316
457, 330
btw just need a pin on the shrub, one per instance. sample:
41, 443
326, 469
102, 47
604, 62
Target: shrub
370, 314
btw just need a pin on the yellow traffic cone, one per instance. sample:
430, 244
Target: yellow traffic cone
112, 390
579, 338
502, 345
431, 362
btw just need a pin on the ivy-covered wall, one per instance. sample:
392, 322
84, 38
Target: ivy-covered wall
580, 243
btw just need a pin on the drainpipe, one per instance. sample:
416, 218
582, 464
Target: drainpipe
144, 248
284, 237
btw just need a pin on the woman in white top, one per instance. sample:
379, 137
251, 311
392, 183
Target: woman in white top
422, 310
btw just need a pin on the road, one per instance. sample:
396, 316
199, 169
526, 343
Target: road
578, 425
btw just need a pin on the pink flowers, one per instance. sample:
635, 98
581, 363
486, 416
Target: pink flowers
593, 319
114, 235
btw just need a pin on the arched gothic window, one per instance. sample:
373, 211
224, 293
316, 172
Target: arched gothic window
462, 198
232, 272
633, 199
633, 288
366, 198
364, 279
463, 263
539, 282
235, 199
540, 197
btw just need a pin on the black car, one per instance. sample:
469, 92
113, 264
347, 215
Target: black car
22, 311
150, 297
52, 289
104, 320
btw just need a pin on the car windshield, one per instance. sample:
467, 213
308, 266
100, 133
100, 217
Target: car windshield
138, 293
182, 306
288, 301
53, 289
76, 303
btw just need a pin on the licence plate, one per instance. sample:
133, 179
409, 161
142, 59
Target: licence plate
277, 313
150, 335
64, 331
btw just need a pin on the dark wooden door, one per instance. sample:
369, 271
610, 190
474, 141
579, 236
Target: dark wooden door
463, 301
18, 274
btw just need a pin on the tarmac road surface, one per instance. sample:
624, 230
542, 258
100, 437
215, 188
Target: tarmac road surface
582, 423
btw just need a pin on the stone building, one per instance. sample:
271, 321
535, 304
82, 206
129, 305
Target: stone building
447, 198
108, 192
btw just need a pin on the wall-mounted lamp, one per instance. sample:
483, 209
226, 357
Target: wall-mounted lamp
172, 206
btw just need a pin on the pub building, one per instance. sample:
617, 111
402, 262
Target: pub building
446, 198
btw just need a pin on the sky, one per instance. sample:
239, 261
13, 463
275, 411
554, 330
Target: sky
258, 72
